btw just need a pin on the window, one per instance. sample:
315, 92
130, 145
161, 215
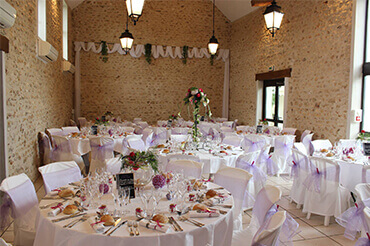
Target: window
41, 16
273, 101
365, 125
65, 31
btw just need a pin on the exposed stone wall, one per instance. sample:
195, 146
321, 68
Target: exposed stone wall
131, 87
315, 41
39, 95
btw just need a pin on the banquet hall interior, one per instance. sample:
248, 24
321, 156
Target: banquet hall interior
185, 122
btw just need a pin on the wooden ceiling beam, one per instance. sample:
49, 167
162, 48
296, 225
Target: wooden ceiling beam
4, 44
260, 3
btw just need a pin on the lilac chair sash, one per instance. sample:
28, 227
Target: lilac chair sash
363, 241
6, 212
63, 147
296, 166
313, 180
158, 137
261, 206
101, 152
259, 175
271, 167
284, 148
253, 145
353, 219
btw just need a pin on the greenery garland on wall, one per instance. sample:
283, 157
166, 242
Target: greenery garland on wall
185, 49
148, 53
212, 59
104, 51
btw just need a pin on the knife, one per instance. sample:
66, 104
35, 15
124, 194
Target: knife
68, 217
177, 224
115, 224
115, 228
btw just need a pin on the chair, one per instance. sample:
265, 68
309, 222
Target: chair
224, 129
363, 191
247, 162
269, 232
102, 156
162, 123
58, 174
264, 161
229, 124
173, 157
300, 170
232, 140
242, 128
307, 142
147, 137
136, 120
62, 152
324, 195
54, 132
265, 201
45, 148
282, 152
136, 144
179, 131
290, 131
300, 147
253, 142
347, 143
127, 129
304, 134
321, 144
189, 168
3, 243
234, 180
82, 122
179, 138
23, 203
160, 136
72, 122
142, 124
366, 174
70, 129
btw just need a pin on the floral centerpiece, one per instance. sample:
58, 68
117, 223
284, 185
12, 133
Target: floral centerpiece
363, 135
197, 97
142, 163
102, 121
263, 122
173, 117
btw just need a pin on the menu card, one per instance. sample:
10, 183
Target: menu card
126, 180
366, 148
259, 129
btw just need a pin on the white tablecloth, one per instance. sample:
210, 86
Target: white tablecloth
217, 231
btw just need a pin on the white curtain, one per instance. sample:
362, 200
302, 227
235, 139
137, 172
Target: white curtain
157, 51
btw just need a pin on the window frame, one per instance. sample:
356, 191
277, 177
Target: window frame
43, 35
272, 83
65, 26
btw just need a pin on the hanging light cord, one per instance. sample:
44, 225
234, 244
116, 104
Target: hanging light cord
214, 17
127, 22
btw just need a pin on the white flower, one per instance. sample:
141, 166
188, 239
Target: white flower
194, 92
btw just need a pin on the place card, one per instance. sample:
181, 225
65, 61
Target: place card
259, 129
126, 180
366, 148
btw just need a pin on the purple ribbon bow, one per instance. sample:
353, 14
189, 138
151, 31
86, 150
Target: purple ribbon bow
313, 181
363, 241
253, 145
258, 175
61, 148
5, 212
101, 152
284, 147
271, 167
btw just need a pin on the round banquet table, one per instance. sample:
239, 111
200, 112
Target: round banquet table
212, 162
217, 230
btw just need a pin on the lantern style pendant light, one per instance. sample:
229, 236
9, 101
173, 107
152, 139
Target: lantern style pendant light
213, 43
126, 39
135, 9
273, 17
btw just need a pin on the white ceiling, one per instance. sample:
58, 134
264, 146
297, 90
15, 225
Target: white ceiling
232, 9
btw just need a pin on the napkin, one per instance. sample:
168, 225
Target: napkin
200, 214
55, 210
216, 200
154, 226
97, 226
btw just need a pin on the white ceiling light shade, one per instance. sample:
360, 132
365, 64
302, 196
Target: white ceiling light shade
273, 17
135, 9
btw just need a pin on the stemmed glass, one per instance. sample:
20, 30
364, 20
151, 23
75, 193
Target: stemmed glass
124, 194
146, 196
116, 200
157, 196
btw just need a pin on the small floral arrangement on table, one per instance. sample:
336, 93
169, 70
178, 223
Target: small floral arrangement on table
173, 117
109, 113
263, 122
196, 97
140, 159
363, 135
102, 121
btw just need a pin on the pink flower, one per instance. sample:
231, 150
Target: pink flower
200, 89
198, 95
362, 131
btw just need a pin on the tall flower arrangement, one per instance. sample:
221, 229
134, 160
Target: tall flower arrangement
196, 97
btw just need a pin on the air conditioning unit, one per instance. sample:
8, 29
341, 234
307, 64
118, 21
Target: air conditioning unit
7, 14
68, 67
46, 52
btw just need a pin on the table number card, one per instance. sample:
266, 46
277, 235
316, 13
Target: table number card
366, 149
126, 180
259, 129
94, 130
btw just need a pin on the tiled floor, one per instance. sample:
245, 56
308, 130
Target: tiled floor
311, 232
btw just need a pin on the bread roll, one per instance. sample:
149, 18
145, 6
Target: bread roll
210, 194
160, 218
70, 209
324, 150
107, 219
166, 151
65, 193
160, 146
200, 206
329, 154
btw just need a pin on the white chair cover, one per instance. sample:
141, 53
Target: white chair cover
283, 152
235, 180
363, 191
58, 174
304, 134
324, 196
136, 144
229, 124
162, 123
307, 142
142, 124
179, 131
55, 131
160, 136
321, 144
189, 168
70, 129
24, 202
102, 156
233, 140
253, 142
62, 152
179, 138
247, 162
221, 119
44, 148
136, 120
265, 162
226, 129
269, 232
290, 131
147, 137
300, 170
265, 200
347, 143
300, 147
242, 128
3, 243
173, 157
127, 129
366, 174
82, 122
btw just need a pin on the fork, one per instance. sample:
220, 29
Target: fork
129, 224
84, 218
136, 225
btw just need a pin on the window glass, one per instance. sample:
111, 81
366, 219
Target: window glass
65, 31
41, 11
270, 102
366, 105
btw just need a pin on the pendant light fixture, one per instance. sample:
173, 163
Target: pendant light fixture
126, 39
273, 17
135, 9
213, 43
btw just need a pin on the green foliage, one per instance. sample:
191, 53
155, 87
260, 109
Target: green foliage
212, 59
184, 53
104, 51
363, 135
140, 159
148, 53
